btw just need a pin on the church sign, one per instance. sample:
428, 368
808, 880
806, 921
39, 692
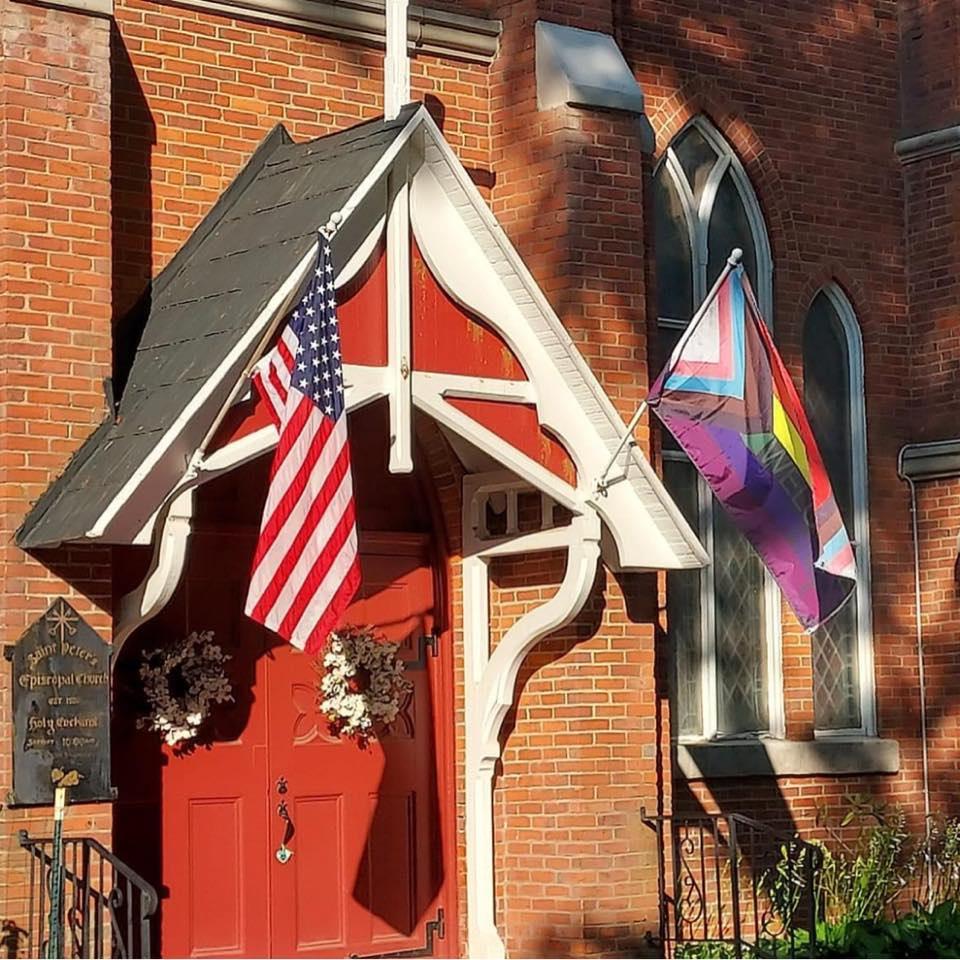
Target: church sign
61, 710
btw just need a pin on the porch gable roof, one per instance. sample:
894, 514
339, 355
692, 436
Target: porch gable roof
199, 306
212, 311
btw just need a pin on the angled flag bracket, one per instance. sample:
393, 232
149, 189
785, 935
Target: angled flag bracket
627, 440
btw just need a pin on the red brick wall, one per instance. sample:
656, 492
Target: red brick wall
583, 751
54, 334
196, 93
931, 101
928, 54
808, 98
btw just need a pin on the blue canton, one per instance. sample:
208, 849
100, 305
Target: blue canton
318, 367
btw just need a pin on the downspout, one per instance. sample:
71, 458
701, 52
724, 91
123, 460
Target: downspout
911, 483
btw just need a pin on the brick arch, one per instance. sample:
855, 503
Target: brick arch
824, 273
697, 97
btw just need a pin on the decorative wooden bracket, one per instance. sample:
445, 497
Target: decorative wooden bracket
491, 678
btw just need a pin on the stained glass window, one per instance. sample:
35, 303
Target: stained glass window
830, 363
718, 616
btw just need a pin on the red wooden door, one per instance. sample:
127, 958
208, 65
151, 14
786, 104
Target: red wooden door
366, 873
214, 807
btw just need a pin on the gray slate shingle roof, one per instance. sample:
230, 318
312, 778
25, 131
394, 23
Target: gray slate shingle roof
204, 300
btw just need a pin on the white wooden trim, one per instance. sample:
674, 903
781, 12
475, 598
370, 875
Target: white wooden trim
476, 388
704, 213
396, 63
155, 590
477, 268
525, 468
491, 680
399, 359
259, 331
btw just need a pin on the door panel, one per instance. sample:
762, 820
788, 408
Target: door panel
216, 875
214, 802
376, 892
366, 873
320, 921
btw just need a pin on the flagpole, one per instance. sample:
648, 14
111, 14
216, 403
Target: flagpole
733, 261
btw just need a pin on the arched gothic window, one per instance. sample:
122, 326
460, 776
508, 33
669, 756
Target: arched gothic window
833, 396
724, 620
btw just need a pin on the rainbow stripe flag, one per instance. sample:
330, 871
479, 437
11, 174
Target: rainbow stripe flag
729, 401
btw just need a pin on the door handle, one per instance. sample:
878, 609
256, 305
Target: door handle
283, 853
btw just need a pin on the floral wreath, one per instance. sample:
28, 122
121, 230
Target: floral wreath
361, 683
181, 682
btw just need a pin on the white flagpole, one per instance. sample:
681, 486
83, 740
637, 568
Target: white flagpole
736, 255
396, 64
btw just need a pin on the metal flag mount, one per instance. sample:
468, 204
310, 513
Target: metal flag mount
627, 440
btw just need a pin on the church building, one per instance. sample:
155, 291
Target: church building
520, 218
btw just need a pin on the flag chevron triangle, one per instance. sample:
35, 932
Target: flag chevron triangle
712, 359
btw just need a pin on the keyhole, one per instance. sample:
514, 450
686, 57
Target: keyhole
282, 785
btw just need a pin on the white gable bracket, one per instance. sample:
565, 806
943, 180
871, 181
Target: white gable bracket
490, 682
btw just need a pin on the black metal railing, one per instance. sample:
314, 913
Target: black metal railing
107, 908
730, 886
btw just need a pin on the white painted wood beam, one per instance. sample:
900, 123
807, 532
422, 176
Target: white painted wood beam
166, 567
486, 440
475, 388
396, 63
398, 320
490, 680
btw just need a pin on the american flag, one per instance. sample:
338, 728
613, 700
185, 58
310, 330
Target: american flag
306, 568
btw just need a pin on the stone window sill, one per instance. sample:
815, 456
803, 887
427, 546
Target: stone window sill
787, 758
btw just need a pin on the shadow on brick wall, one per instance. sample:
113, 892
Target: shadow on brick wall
133, 136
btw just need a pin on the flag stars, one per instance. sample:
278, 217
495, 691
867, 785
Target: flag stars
318, 363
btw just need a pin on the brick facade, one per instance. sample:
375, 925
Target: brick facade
55, 302
117, 136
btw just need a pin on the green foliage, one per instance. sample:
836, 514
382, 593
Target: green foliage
697, 949
868, 867
869, 863
920, 933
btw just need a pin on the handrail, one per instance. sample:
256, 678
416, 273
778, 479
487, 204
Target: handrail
151, 898
726, 878
99, 886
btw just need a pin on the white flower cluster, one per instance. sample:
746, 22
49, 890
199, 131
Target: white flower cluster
362, 683
181, 682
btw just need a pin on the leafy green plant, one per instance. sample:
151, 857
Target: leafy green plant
920, 933
697, 949
865, 869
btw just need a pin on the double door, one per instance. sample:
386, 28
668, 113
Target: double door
280, 839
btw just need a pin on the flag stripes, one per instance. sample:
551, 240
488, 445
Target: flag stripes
306, 566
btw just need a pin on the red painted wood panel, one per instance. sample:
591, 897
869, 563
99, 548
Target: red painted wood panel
362, 312
367, 871
517, 424
448, 338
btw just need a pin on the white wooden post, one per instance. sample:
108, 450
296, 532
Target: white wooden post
396, 65
398, 320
